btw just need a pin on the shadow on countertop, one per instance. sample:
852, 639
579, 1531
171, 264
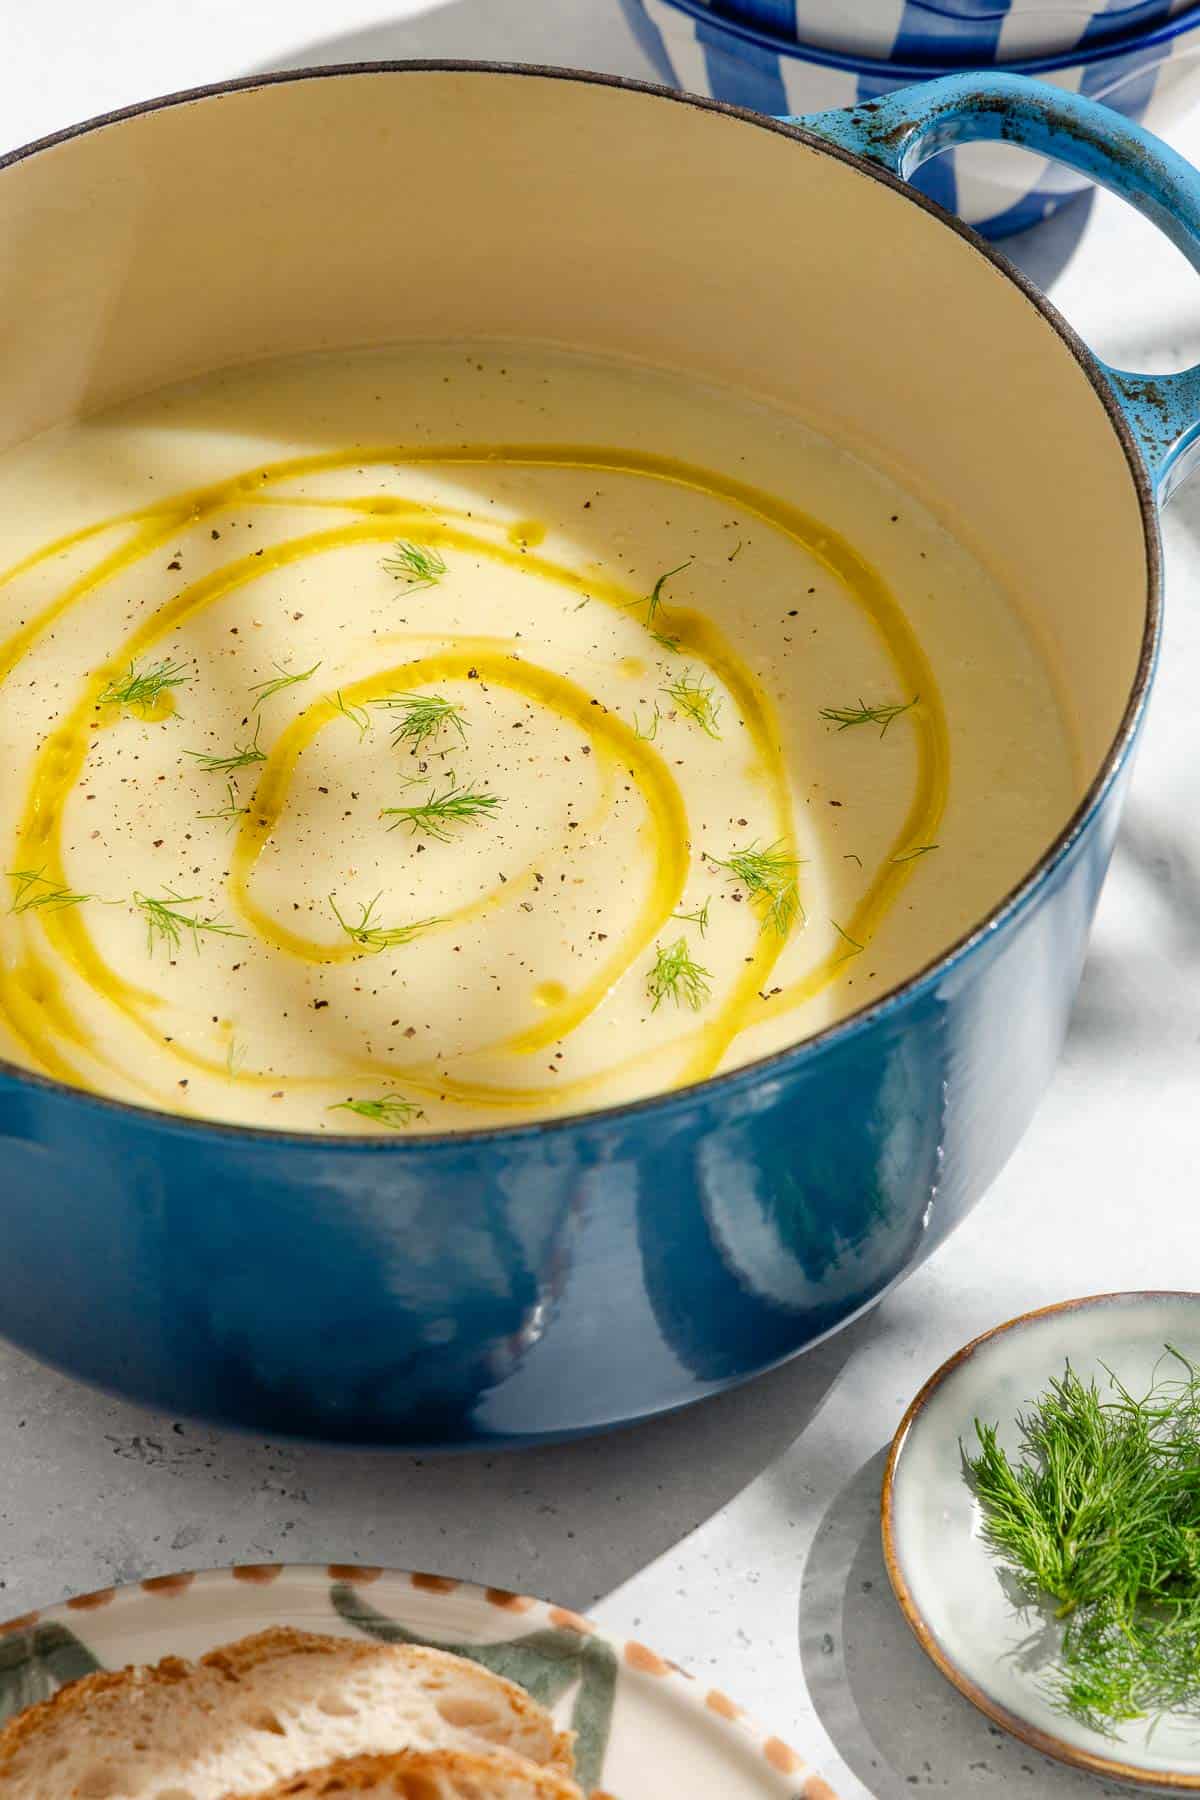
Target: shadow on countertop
573, 34
895, 1721
99, 1491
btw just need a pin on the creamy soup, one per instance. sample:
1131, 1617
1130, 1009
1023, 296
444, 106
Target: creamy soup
426, 739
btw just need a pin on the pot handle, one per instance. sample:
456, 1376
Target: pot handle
904, 129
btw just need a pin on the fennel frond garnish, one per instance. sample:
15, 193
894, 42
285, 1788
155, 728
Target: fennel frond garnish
693, 696
855, 949
417, 564
265, 689
358, 716
846, 716
391, 1110
142, 687
769, 878
373, 936
699, 918
241, 756
36, 893
676, 976
654, 600
436, 816
419, 718
231, 812
165, 922
1093, 1514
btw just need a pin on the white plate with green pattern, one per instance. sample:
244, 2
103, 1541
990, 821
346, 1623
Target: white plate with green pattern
643, 1728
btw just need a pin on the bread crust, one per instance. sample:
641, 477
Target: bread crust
78, 1697
89, 1703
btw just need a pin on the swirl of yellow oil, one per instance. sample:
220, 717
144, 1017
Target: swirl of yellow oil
609, 735
32, 1000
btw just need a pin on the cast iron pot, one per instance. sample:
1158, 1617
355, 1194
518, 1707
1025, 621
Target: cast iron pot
532, 1282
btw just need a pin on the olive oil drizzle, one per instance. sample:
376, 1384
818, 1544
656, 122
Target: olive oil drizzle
35, 1003
608, 735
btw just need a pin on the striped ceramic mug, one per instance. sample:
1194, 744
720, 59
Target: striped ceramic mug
954, 33
998, 189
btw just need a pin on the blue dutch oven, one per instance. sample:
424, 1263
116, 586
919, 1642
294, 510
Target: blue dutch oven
531, 1282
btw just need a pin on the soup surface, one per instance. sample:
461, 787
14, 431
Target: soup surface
434, 738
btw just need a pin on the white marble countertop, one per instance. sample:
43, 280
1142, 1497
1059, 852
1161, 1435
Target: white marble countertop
741, 1537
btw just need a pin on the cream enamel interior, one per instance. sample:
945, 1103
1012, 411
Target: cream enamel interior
287, 218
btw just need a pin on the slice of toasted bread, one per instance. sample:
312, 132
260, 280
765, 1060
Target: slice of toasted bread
260, 1711
428, 1775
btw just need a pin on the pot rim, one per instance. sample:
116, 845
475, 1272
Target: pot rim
1005, 911
882, 67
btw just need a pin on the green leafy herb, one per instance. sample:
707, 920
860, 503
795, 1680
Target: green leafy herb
653, 601
357, 715
846, 716
373, 936
36, 892
233, 812
391, 1110
912, 855
420, 717
417, 564
243, 754
166, 923
140, 688
265, 689
670, 644
855, 947
676, 977
648, 736
694, 698
1098, 1516
436, 816
698, 918
769, 877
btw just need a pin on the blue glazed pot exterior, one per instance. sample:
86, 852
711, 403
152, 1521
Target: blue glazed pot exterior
518, 1285
903, 131
540, 1282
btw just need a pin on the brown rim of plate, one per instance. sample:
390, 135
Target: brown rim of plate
736, 1725
1057, 1748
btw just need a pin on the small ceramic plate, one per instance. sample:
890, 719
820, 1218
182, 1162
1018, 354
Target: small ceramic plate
948, 1583
643, 1729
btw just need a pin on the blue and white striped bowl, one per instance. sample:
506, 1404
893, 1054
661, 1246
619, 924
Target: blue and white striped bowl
952, 33
1154, 79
